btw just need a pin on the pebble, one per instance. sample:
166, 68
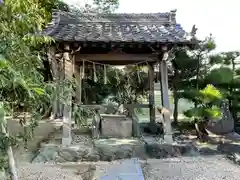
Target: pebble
191, 168
45, 172
82, 139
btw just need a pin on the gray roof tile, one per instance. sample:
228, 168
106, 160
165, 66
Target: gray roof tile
155, 27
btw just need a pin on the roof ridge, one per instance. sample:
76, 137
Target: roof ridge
60, 12
70, 17
53, 24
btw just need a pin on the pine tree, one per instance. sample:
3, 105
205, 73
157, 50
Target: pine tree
189, 67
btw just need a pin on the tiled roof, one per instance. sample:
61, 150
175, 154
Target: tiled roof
154, 27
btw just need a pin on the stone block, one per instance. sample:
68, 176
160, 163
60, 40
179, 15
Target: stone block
116, 126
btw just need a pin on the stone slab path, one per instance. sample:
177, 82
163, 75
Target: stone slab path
128, 170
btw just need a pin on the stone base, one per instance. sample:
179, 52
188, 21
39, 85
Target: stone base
158, 151
113, 148
103, 149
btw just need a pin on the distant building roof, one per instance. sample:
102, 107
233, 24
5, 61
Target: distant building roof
149, 28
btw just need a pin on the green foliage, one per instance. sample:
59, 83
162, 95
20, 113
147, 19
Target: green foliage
123, 86
48, 6
215, 59
190, 68
20, 81
208, 45
219, 75
226, 78
210, 94
208, 100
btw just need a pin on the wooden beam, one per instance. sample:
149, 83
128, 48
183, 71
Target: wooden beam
117, 57
136, 106
100, 106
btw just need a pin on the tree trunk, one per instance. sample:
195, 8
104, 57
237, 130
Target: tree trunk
175, 111
201, 132
232, 90
198, 76
11, 161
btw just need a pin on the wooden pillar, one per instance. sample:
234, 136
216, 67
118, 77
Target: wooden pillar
61, 77
54, 67
151, 94
67, 109
78, 76
135, 121
165, 100
96, 123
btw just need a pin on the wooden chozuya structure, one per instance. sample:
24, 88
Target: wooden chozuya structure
117, 39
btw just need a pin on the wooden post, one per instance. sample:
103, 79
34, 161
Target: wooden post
165, 100
54, 67
77, 73
96, 124
151, 94
78, 76
61, 77
135, 123
67, 110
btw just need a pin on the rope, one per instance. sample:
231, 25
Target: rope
104, 64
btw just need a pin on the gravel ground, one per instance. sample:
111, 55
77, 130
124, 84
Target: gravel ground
185, 168
46, 172
192, 168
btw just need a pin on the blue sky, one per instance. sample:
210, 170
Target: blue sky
219, 17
